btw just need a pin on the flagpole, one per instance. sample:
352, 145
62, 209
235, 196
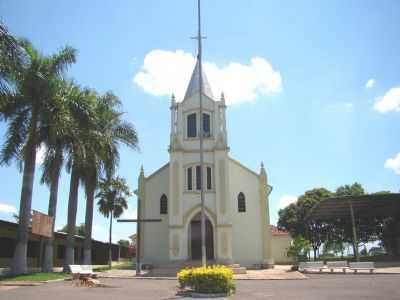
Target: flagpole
203, 223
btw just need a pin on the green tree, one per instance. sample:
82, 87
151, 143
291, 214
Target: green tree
26, 111
292, 218
81, 127
112, 195
79, 230
124, 243
298, 249
12, 61
70, 109
102, 153
354, 189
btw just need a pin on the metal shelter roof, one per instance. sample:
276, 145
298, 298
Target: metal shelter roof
375, 205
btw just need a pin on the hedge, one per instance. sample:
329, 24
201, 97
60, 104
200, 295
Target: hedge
212, 279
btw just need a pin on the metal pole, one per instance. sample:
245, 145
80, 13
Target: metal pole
138, 238
203, 223
353, 225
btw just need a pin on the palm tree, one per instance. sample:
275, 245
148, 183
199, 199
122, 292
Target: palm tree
69, 110
81, 127
102, 154
112, 202
26, 111
12, 60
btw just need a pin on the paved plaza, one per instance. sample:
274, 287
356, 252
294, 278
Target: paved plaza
315, 287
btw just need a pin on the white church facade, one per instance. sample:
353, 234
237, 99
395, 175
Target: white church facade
236, 198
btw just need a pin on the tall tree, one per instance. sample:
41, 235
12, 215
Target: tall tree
26, 111
112, 202
292, 218
103, 154
12, 60
69, 109
80, 131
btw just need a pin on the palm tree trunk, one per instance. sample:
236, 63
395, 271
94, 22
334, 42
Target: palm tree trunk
110, 242
49, 247
87, 252
72, 207
19, 263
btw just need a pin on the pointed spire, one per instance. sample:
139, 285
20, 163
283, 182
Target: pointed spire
173, 99
263, 174
223, 97
262, 169
141, 171
194, 86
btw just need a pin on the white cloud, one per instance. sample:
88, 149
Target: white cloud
286, 200
393, 163
97, 228
7, 209
166, 72
370, 83
390, 101
99, 232
129, 214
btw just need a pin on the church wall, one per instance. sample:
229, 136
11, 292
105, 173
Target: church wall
155, 238
246, 226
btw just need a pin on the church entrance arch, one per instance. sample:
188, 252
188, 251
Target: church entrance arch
195, 238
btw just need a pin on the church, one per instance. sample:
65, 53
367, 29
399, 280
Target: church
238, 229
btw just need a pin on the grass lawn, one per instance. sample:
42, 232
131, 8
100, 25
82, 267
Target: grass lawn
118, 266
36, 277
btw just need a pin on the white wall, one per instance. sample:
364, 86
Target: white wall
280, 243
246, 233
156, 244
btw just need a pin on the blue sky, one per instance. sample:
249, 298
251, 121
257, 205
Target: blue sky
312, 118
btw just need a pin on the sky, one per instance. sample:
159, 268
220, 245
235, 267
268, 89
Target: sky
312, 87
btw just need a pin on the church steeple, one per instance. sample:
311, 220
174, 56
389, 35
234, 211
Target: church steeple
194, 83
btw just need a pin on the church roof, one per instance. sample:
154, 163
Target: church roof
276, 231
194, 84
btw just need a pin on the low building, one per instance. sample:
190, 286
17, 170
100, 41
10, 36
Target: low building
281, 240
8, 233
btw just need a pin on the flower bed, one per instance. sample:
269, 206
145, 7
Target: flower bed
210, 280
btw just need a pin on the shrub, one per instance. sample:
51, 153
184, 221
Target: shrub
212, 279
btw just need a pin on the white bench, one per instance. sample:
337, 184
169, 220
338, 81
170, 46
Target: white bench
311, 265
79, 271
340, 264
365, 265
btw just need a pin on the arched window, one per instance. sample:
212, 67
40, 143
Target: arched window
241, 202
191, 125
163, 205
206, 125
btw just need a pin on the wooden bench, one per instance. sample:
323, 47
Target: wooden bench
365, 265
340, 264
311, 265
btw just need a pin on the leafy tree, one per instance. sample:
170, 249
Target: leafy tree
112, 202
69, 110
26, 111
124, 243
79, 230
101, 149
292, 218
81, 127
13, 60
298, 249
350, 190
